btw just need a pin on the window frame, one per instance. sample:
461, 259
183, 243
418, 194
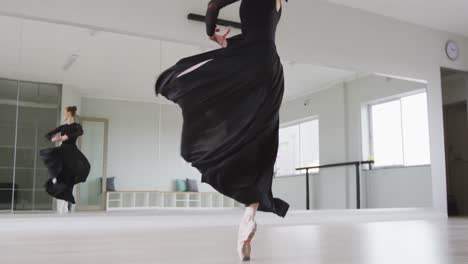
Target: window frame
399, 98
298, 122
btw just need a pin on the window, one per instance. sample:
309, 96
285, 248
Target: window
298, 147
399, 131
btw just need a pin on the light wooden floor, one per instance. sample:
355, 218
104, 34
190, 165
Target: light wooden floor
170, 237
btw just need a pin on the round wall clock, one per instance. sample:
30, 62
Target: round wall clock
451, 48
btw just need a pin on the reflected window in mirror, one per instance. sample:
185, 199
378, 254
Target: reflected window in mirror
399, 132
298, 146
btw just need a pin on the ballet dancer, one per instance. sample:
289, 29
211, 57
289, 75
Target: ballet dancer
230, 100
66, 164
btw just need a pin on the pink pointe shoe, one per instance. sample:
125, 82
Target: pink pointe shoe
247, 231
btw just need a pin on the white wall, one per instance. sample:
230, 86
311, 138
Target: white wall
143, 144
335, 36
132, 140
70, 98
398, 187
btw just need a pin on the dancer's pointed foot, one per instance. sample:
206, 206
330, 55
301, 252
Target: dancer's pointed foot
247, 230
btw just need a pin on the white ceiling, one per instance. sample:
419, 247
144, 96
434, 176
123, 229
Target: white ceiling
303, 79
445, 15
111, 65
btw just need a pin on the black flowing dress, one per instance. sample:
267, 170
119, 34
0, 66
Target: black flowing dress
230, 106
66, 163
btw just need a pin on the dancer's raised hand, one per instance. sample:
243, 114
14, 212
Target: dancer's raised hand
221, 39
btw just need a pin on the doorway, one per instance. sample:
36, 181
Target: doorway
455, 94
91, 194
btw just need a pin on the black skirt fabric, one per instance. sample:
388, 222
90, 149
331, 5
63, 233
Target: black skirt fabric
230, 108
69, 166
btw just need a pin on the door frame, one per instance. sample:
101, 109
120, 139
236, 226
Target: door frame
102, 207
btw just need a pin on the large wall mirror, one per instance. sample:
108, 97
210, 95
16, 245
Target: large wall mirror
333, 116
30, 106
329, 116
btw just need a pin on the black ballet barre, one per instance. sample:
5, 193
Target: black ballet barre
221, 22
358, 177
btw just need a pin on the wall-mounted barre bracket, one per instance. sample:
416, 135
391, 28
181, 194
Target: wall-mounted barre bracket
221, 22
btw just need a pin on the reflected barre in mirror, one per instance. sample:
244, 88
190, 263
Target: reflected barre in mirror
328, 116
